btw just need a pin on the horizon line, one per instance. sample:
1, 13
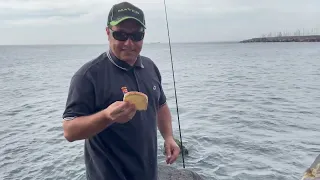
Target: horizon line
54, 44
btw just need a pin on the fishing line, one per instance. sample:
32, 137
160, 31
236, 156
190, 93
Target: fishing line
174, 83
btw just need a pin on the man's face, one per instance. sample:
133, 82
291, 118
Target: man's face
127, 50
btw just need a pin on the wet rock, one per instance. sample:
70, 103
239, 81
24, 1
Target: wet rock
166, 172
313, 172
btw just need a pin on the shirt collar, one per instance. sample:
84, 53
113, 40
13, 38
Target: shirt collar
122, 64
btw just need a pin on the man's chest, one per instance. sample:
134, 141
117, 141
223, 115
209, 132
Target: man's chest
114, 83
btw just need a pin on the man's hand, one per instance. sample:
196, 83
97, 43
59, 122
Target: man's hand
172, 150
87, 126
120, 111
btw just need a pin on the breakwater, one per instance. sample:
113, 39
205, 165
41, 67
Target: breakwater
311, 38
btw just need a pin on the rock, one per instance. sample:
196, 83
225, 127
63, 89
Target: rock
171, 173
313, 172
182, 148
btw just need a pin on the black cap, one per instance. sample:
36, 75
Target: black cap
124, 10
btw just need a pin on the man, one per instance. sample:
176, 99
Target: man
120, 142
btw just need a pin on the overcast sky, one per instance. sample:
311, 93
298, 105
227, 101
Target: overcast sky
83, 21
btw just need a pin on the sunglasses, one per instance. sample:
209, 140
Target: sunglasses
123, 36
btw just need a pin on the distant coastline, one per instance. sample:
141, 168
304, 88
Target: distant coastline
310, 38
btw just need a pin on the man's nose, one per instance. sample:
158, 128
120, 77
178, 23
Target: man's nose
128, 42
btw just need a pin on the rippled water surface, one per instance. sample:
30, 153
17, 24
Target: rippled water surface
247, 111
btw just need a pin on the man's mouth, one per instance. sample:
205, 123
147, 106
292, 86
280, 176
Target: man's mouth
127, 50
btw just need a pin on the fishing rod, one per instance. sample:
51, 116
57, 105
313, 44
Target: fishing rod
174, 83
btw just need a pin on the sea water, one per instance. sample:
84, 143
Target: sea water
247, 111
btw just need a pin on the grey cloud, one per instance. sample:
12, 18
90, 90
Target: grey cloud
76, 21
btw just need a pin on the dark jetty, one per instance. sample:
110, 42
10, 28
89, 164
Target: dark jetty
312, 38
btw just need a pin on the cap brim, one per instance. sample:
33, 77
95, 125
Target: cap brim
114, 23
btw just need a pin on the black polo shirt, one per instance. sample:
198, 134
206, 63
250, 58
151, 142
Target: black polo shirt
121, 151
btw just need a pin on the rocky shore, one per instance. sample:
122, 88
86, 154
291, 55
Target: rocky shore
313, 38
313, 172
166, 172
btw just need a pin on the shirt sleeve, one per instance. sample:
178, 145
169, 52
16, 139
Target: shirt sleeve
81, 99
163, 98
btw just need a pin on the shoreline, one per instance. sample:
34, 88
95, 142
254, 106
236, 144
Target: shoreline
311, 38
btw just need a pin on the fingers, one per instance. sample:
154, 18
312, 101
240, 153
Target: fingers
172, 152
175, 154
119, 107
168, 153
130, 110
124, 111
131, 113
123, 107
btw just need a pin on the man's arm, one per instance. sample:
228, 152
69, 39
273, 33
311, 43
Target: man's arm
165, 126
164, 115
84, 127
164, 122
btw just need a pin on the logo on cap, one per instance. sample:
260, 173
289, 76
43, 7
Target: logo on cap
128, 9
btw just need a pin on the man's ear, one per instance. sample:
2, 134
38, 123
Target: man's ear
108, 32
